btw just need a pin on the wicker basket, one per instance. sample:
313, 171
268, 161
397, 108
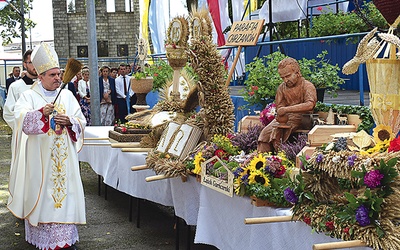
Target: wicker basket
143, 85
176, 56
384, 82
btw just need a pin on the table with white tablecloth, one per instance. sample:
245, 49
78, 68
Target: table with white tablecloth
220, 223
219, 219
115, 168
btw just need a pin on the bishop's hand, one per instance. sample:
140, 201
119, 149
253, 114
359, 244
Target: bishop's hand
62, 119
48, 109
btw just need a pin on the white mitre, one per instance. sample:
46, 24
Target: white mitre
44, 57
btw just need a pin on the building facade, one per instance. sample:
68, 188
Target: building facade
117, 32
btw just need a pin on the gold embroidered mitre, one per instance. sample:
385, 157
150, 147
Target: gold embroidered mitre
44, 57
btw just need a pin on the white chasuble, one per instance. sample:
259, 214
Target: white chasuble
18, 138
49, 190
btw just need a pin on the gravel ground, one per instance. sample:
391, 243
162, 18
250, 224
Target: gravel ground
108, 225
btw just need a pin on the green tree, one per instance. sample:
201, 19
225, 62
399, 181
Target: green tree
10, 21
71, 7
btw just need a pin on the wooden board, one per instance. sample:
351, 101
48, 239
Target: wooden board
248, 120
136, 149
307, 150
126, 145
224, 186
321, 134
244, 33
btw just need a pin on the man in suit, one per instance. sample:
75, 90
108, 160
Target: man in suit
125, 96
15, 75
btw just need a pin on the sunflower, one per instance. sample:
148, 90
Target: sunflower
380, 147
258, 176
382, 133
258, 162
198, 159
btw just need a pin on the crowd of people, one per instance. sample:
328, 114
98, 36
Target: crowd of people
116, 96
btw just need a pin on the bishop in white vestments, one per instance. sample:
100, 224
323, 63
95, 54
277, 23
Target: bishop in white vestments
50, 193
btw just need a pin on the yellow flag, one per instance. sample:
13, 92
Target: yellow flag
253, 6
145, 22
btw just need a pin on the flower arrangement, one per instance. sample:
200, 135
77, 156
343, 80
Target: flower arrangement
332, 23
263, 175
162, 73
268, 114
247, 141
220, 146
351, 194
293, 147
159, 70
383, 139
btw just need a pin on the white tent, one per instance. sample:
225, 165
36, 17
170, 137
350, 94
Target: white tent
292, 10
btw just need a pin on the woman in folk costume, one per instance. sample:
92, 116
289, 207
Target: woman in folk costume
108, 97
49, 193
84, 94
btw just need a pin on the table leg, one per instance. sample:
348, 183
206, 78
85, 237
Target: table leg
105, 191
138, 213
130, 208
177, 232
189, 237
99, 185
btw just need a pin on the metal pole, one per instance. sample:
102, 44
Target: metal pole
93, 63
361, 84
21, 13
23, 27
30, 30
270, 25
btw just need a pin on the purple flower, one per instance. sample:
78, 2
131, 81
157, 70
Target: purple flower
237, 172
362, 216
373, 178
290, 196
350, 159
320, 157
245, 179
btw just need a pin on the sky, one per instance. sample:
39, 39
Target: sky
42, 15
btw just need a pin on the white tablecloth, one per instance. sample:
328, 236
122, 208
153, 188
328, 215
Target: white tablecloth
220, 223
219, 218
115, 167
186, 200
134, 183
99, 154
